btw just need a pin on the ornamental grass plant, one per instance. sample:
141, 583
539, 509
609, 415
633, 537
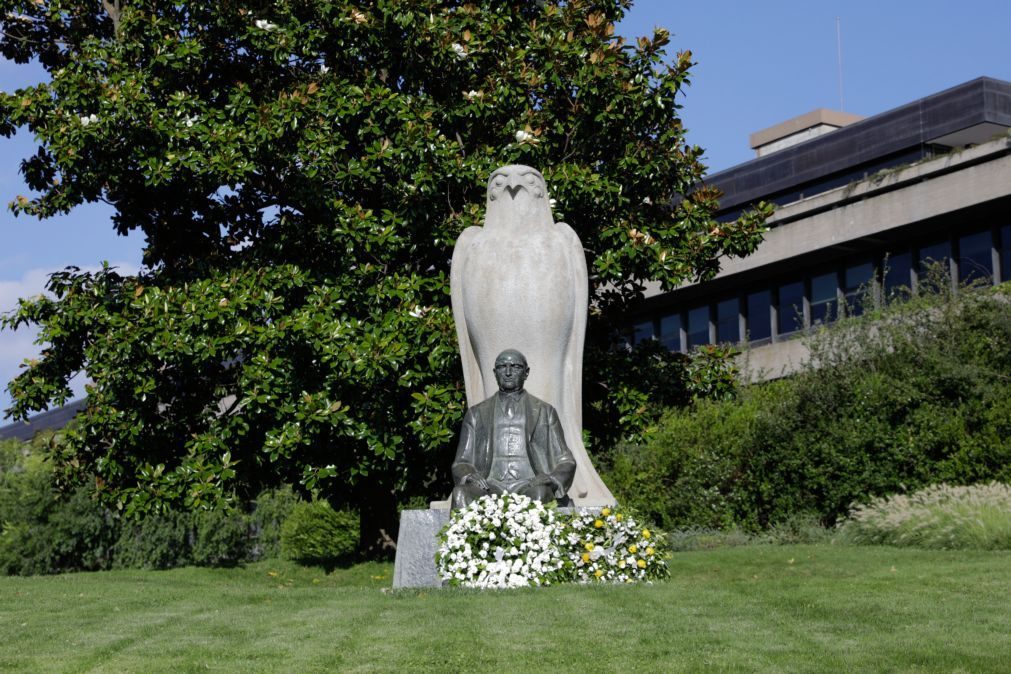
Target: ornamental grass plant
941, 517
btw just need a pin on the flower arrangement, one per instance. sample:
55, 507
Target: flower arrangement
510, 540
612, 547
499, 542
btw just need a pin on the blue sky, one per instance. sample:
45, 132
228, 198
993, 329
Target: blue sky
759, 63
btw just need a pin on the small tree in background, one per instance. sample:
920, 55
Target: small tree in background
300, 172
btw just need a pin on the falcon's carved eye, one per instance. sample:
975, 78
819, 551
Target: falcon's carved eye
498, 181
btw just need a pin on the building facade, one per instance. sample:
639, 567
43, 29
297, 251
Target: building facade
865, 207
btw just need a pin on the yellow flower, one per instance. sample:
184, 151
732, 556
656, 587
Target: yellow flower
641, 563
621, 563
598, 523
650, 551
598, 573
605, 512
619, 517
633, 548
589, 546
645, 533
586, 557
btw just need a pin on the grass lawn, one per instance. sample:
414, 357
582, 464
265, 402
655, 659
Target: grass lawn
753, 608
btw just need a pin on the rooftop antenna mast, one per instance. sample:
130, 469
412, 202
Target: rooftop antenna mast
838, 43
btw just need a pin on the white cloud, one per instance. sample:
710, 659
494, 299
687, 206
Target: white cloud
32, 283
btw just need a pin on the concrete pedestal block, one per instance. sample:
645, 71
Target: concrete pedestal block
417, 544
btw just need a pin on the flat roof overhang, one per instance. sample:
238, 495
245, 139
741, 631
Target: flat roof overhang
969, 113
909, 203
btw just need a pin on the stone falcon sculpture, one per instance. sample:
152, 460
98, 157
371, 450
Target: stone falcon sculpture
520, 283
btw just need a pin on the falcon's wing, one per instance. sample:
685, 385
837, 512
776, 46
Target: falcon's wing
472, 379
572, 390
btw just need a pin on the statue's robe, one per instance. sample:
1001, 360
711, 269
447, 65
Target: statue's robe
546, 450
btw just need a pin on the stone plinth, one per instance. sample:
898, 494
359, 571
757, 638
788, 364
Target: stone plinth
417, 544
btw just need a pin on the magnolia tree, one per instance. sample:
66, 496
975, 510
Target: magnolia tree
300, 172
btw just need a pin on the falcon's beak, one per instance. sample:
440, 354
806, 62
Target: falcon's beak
513, 190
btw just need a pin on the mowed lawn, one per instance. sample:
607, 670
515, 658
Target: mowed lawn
754, 608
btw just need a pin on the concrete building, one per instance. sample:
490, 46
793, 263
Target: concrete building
863, 207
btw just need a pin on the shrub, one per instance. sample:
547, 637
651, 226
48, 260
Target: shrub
221, 537
43, 531
315, 533
690, 471
270, 510
158, 541
916, 394
976, 517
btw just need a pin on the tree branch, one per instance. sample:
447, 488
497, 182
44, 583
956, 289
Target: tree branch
113, 9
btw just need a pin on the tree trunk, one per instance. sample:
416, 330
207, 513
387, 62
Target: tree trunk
379, 523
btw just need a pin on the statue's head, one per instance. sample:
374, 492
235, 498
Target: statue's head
511, 370
518, 194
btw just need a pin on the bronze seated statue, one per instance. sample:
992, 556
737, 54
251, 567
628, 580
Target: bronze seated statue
512, 443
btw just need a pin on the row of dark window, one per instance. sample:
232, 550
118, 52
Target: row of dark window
793, 305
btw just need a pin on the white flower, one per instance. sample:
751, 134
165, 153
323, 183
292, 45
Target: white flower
89, 119
524, 525
552, 203
324, 69
265, 25
472, 94
190, 121
459, 50
523, 136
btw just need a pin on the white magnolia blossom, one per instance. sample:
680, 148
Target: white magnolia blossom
324, 69
265, 25
552, 203
523, 136
89, 119
472, 94
460, 50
